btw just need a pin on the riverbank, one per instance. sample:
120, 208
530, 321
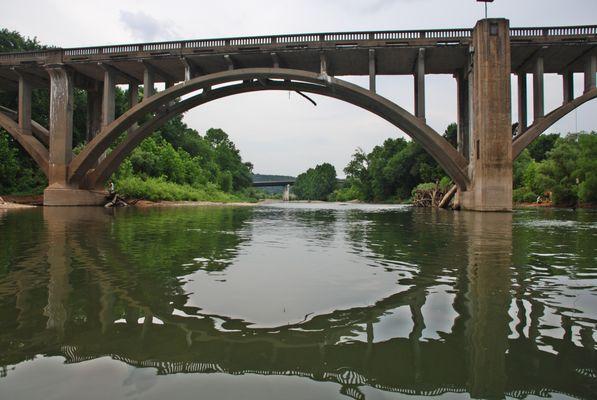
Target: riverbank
151, 204
9, 205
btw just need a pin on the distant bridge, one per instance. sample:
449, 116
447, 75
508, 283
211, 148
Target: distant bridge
482, 60
273, 183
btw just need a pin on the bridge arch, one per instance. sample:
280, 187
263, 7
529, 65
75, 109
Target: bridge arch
30, 143
540, 125
83, 173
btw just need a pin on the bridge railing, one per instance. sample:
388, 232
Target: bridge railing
371, 38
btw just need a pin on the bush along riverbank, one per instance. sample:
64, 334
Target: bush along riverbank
555, 170
159, 189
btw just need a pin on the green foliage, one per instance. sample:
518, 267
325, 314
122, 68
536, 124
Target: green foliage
18, 175
523, 195
539, 148
316, 183
391, 171
179, 155
18, 172
160, 189
346, 193
14, 41
561, 168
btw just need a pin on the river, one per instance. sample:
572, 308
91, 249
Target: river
297, 301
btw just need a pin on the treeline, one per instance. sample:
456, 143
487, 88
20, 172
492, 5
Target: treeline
18, 172
561, 170
558, 169
389, 173
174, 163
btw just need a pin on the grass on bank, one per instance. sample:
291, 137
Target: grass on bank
156, 189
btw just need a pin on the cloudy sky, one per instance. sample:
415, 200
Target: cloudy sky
278, 132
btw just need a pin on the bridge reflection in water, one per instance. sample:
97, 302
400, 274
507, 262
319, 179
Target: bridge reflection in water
70, 290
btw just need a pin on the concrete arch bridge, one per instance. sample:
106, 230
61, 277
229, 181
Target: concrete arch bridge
482, 60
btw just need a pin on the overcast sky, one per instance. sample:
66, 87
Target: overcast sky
281, 133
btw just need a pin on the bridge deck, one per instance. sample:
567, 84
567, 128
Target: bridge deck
347, 53
272, 183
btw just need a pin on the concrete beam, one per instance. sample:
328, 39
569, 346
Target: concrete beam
568, 87
229, 61
34, 79
94, 112
191, 69
323, 64
165, 75
538, 89
275, 60
133, 95
522, 102
61, 124
148, 82
462, 85
372, 70
117, 71
108, 98
590, 71
24, 104
419, 76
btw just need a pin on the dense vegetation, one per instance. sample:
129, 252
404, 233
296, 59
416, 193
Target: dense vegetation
316, 183
174, 163
18, 171
554, 168
391, 171
562, 169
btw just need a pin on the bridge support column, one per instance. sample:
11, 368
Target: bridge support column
490, 165
522, 102
148, 82
463, 82
60, 192
24, 105
109, 98
61, 125
538, 91
568, 87
590, 71
133, 95
372, 69
94, 112
420, 85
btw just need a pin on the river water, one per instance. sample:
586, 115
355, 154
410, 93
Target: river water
297, 301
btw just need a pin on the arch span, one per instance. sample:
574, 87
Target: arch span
32, 146
254, 79
534, 131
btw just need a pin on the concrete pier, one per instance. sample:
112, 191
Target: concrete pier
490, 166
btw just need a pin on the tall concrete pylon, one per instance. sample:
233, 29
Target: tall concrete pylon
490, 133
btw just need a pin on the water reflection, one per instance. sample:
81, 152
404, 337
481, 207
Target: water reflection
476, 307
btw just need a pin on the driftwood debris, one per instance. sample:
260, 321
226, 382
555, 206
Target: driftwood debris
430, 195
445, 201
1, 200
116, 201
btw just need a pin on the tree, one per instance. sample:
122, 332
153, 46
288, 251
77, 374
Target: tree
316, 183
539, 148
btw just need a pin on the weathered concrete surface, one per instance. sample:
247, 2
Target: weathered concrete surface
61, 125
64, 196
491, 164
